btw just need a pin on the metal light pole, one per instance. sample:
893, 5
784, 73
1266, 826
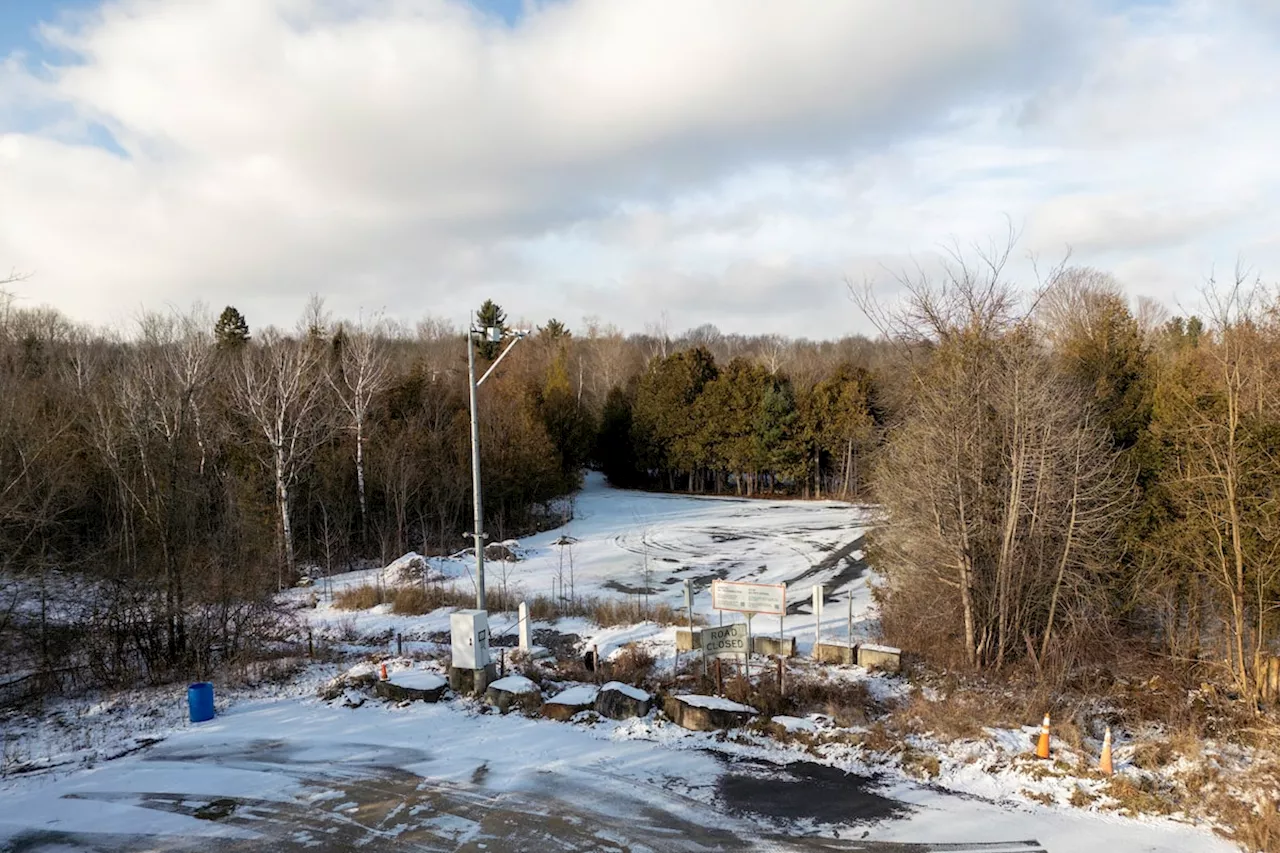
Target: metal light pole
494, 335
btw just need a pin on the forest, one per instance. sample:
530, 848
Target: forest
1061, 473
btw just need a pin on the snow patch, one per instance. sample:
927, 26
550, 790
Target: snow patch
627, 690
715, 703
418, 679
515, 684
583, 694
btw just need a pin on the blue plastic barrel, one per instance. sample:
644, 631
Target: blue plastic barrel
200, 701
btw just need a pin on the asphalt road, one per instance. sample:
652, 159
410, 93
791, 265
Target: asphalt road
374, 804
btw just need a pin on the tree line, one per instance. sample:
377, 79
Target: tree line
171, 478
1062, 474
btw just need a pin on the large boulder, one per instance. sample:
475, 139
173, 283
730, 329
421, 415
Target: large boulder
412, 685
619, 701
567, 703
707, 713
506, 692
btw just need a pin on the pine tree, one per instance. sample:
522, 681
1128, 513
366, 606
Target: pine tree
231, 330
554, 330
490, 316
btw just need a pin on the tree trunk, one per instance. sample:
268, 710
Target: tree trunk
364, 511
286, 529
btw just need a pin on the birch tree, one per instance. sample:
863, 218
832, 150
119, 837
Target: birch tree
279, 388
360, 373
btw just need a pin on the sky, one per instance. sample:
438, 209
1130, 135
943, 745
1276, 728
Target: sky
643, 162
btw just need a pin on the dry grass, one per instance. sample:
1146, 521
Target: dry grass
417, 600
361, 597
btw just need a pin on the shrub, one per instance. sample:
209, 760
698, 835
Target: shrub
631, 665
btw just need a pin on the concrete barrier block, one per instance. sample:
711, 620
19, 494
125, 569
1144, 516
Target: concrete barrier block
688, 640
765, 645
833, 653
884, 658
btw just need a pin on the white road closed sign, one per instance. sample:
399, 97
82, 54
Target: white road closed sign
725, 640
749, 597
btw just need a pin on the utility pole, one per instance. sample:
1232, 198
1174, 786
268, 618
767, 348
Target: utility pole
478, 520
494, 335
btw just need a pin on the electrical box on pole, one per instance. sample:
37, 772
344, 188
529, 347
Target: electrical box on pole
470, 639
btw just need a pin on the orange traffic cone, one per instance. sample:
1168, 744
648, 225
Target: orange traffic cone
1042, 748
384, 672
1104, 763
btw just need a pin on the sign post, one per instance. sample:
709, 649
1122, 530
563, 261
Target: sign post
851, 626
817, 613
750, 599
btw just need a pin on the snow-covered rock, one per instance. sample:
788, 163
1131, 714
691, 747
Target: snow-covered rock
408, 569
707, 713
619, 701
413, 684
505, 692
567, 703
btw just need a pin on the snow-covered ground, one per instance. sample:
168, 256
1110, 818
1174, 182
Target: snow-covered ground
621, 542
303, 774
281, 769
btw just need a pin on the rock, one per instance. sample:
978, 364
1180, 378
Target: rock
773, 646
707, 713
471, 682
835, 653
567, 703
886, 658
505, 692
412, 685
619, 701
352, 698
688, 639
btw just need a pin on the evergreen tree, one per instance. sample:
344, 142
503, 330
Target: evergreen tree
490, 316
231, 330
554, 330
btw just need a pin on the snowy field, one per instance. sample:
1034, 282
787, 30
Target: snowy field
623, 542
280, 769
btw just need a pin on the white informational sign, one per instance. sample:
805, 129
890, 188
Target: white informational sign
725, 640
749, 597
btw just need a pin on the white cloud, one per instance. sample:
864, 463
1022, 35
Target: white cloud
726, 162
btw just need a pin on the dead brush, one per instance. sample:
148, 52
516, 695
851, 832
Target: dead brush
961, 714
847, 703
762, 695
363, 597
418, 601
632, 665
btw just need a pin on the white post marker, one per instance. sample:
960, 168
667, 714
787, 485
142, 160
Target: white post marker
746, 657
851, 624
817, 613
525, 632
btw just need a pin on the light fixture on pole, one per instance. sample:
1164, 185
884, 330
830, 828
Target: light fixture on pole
494, 335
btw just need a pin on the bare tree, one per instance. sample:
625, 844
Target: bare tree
998, 484
360, 374
279, 387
